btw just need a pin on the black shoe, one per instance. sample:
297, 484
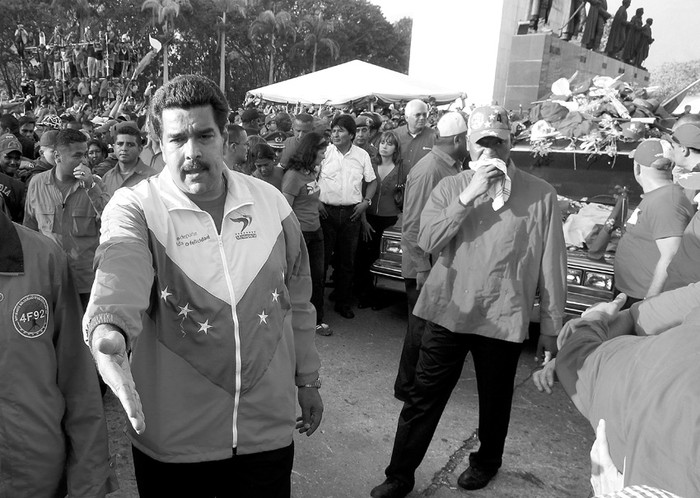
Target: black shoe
473, 478
391, 488
345, 311
363, 303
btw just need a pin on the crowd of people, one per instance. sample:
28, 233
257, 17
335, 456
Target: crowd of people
196, 245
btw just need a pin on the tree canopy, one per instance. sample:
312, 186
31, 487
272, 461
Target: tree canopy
265, 40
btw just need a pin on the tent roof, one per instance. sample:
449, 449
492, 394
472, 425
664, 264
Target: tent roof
350, 82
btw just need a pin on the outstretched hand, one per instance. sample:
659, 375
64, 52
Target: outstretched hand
311, 410
109, 350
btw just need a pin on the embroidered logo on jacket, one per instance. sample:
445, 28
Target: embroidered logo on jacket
245, 221
30, 316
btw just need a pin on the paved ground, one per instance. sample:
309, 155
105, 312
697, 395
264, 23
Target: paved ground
546, 452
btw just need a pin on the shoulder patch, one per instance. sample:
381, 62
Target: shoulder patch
30, 316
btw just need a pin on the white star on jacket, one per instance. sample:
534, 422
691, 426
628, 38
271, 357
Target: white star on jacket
263, 317
184, 311
164, 294
204, 327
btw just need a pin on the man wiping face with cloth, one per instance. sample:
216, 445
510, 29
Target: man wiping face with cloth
489, 147
495, 234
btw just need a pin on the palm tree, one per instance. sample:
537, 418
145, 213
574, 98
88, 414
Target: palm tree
319, 28
226, 6
164, 13
276, 26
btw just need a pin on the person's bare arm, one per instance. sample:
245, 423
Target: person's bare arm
667, 249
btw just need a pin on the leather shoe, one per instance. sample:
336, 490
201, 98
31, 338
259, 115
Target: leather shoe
391, 488
473, 478
345, 311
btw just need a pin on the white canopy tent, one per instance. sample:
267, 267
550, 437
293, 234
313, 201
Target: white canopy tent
351, 82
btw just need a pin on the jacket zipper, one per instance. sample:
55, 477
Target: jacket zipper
236, 334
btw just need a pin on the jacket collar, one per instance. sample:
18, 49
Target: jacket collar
11, 255
237, 191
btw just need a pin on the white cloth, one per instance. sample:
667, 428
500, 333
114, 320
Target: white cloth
341, 176
500, 191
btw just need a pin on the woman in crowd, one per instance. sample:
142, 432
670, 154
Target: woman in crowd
301, 191
383, 212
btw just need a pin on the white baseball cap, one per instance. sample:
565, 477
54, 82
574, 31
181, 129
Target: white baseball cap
452, 124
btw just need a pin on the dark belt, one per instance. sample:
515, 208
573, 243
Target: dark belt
340, 208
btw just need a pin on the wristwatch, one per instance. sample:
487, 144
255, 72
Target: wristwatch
314, 385
369, 201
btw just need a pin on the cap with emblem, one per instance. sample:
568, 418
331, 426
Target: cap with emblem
9, 143
654, 153
363, 121
276, 139
688, 135
489, 121
451, 124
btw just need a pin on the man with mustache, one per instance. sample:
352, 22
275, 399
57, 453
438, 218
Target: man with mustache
130, 169
203, 275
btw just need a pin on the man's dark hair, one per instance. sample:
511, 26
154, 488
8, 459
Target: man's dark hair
69, 136
10, 122
185, 92
264, 151
345, 121
128, 130
233, 131
305, 154
23, 120
304, 117
100, 144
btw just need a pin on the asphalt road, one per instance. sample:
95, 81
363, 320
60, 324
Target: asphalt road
546, 454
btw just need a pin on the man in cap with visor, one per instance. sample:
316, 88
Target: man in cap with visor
684, 268
497, 236
654, 229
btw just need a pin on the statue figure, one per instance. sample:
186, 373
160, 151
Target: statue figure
645, 40
633, 32
595, 22
618, 31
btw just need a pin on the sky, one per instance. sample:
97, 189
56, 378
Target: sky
677, 38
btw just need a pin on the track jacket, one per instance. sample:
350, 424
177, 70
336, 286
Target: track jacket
53, 435
221, 326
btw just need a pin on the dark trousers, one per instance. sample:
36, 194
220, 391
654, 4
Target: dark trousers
411, 345
314, 246
440, 363
340, 235
265, 474
367, 253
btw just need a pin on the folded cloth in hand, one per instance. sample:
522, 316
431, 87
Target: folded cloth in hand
499, 191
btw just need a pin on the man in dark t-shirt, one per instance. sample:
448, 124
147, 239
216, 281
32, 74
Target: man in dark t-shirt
655, 228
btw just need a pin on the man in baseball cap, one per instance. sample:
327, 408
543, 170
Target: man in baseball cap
654, 230
10, 154
684, 269
363, 125
686, 146
491, 261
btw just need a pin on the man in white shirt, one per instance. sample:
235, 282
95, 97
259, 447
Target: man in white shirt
342, 204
